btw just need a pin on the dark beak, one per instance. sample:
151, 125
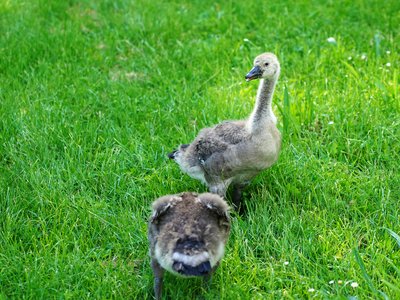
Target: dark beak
254, 73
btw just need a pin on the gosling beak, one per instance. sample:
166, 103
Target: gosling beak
254, 73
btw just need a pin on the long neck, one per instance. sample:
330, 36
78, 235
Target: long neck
262, 110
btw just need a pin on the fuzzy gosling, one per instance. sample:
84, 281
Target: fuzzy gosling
187, 234
233, 152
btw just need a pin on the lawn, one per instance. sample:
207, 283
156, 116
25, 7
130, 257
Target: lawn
94, 94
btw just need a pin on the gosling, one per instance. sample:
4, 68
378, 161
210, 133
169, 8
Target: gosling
233, 152
187, 234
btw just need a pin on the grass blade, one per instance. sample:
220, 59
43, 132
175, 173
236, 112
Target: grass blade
286, 111
391, 286
366, 276
352, 70
394, 235
377, 42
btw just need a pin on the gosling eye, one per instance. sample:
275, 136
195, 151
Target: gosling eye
266, 64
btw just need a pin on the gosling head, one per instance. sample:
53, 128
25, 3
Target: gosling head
187, 234
266, 66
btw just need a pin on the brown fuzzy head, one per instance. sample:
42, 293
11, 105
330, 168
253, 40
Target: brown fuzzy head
188, 232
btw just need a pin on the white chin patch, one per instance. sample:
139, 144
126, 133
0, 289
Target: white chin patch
191, 260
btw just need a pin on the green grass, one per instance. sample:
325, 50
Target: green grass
93, 95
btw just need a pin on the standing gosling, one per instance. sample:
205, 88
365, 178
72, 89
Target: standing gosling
187, 234
233, 152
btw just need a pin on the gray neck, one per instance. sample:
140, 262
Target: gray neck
263, 110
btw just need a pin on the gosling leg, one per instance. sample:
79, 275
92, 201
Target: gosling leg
207, 281
158, 272
237, 198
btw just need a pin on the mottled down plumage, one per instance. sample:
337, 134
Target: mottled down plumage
233, 152
187, 234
